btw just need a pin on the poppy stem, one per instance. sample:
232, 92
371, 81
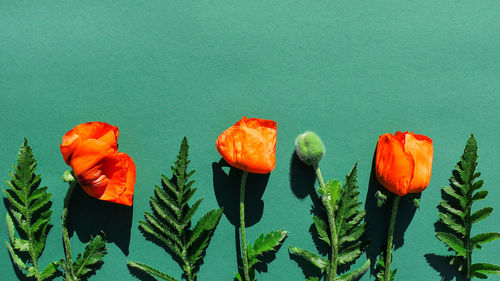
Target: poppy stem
388, 258
68, 270
333, 230
244, 255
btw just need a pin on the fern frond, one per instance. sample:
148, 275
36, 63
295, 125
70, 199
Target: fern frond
457, 217
28, 214
342, 202
170, 221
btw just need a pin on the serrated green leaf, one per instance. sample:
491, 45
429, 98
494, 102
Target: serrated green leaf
92, 257
452, 210
162, 228
15, 258
206, 223
480, 195
312, 279
266, 243
322, 229
354, 275
485, 268
452, 223
330, 193
481, 214
189, 214
49, 270
314, 259
485, 237
452, 241
151, 271
350, 254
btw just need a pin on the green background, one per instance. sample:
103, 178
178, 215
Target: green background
160, 70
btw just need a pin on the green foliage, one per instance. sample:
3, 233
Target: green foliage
171, 216
29, 215
265, 244
457, 217
380, 269
86, 263
344, 236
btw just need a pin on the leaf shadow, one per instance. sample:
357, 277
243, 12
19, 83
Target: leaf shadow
378, 219
88, 216
442, 265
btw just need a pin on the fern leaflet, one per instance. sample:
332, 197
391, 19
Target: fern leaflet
171, 219
28, 213
457, 217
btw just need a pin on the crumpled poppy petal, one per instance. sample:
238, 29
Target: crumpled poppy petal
249, 145
421, 150
104, 173
90, 130
393, 166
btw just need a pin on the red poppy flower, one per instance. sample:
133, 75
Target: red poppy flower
103, 172
249, 145
403, 162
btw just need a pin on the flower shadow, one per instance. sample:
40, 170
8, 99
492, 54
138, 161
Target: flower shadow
227, 193
87, 217
378, 219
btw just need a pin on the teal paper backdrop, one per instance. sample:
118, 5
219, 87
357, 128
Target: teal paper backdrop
161, 70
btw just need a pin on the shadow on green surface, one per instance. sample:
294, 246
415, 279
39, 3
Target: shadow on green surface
442, 265
88, 216
227, 193
302, 178
378, 219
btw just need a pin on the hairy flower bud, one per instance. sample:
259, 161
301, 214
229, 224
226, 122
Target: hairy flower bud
309, 148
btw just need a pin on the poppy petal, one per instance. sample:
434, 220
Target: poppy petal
103, 173
90, 130
249, 145
393, 166
421, 150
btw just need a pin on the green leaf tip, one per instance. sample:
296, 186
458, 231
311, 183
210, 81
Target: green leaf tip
170, 221
28, 215
457, 215
309, 148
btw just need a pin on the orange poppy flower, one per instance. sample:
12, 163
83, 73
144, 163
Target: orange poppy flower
249, 145
103, 172
403, 162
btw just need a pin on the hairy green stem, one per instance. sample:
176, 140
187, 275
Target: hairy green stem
68, 272
244, 255
333, 231
390, 234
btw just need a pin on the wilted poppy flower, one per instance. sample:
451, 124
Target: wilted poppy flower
249, 145
403, 162
103, 172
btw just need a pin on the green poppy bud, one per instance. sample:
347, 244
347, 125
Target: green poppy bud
309, 148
